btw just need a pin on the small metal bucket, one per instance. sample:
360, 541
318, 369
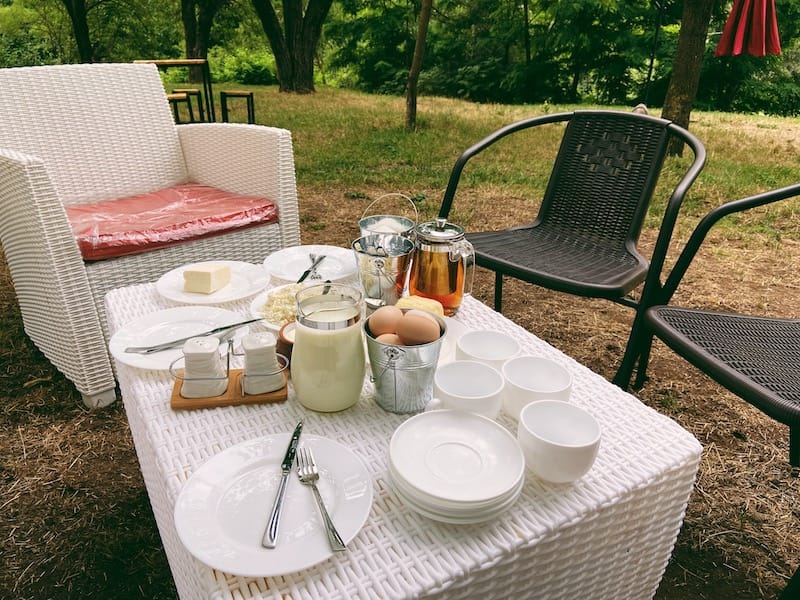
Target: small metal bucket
403, 375
383, 265
388, 224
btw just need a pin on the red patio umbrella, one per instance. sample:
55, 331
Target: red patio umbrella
751, 28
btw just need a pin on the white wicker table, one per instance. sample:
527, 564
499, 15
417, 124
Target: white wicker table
610, 535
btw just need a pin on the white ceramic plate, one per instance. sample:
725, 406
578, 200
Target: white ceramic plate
287, 265
165, 325
246, 279
445, 515
257, 306
223, 509
456, 456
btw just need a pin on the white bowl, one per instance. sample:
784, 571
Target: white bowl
468, 385
559, 440
491, 347
532, 378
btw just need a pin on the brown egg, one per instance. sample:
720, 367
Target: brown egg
390, 339
415, 329
424, 313
384, 320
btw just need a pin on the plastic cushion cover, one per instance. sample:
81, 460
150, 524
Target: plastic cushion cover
156, 219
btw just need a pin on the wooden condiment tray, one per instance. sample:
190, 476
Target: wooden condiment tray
231, 397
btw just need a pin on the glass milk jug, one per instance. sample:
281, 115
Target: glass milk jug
328, 360
443, 264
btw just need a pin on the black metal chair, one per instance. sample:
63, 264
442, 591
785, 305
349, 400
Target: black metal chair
756, 358
584, 239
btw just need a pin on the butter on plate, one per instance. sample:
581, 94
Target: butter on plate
206, 278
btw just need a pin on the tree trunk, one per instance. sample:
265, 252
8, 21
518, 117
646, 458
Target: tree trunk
198, 17
687, 65
416, 65
80, 28
294, 44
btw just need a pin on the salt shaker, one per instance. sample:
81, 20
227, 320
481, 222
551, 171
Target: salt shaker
203, 375
262, 371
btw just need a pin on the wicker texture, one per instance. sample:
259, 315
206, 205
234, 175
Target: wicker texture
608, 536
82, 133
756, 357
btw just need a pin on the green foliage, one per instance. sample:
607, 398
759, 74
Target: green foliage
254, 67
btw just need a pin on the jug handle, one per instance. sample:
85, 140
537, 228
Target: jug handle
463, 250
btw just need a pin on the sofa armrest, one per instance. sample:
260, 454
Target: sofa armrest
245, 159
48, 272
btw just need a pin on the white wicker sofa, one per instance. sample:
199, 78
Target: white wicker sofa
77, 134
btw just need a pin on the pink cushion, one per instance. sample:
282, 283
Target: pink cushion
176, 214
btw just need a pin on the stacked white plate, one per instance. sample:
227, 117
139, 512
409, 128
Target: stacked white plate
456, 467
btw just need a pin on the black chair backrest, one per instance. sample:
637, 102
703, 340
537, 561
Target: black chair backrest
604, 175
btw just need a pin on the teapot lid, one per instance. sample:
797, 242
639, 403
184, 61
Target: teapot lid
440, 231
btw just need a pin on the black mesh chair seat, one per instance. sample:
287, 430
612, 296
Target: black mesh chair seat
560, 261
756, 358
583, 240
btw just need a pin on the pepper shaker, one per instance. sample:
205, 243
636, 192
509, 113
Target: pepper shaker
204, 375
263, 372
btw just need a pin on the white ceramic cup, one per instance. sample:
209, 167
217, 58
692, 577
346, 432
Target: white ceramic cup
491, 347
532, 378
559, 440
470, 386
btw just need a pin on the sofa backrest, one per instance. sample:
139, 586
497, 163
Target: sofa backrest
103, 131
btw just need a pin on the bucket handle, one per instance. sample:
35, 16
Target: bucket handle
379, 198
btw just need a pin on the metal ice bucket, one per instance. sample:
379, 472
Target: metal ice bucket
383, 264
403, 375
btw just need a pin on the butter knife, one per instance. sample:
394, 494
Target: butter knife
176, 343
270, 538
312, 268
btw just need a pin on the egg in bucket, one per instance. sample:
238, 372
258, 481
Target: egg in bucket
383, 264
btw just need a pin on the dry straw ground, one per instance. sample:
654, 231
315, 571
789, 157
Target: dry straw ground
75, 521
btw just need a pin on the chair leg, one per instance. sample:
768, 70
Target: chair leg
636, 352
792, 589
498, 291
794, 451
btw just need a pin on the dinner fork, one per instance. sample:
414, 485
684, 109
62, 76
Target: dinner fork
309, 475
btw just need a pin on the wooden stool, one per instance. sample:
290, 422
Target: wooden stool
248, 96
193, 93
175, 100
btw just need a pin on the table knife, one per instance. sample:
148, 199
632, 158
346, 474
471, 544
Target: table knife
312, 268
270, 538
176, 343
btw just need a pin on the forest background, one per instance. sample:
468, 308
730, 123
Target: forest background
503, 51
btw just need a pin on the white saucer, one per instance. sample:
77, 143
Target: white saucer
287, 265
246, 279
456, 456
454, 517
221, 512
165, 325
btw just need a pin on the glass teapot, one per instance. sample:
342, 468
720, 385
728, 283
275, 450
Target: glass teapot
443, 264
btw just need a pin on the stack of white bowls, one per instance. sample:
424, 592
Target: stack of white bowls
456, 467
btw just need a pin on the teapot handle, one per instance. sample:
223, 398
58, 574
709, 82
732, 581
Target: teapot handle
464, 251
